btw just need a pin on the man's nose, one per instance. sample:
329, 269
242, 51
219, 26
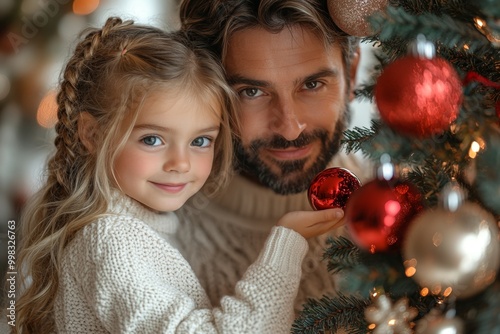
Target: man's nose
286, 118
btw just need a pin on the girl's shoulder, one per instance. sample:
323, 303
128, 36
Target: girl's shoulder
117, 231
115, 226
126, 227
115, 240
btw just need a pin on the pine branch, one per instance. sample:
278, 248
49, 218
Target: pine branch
341, 254
483, 61
331, 314
398, 23
354, 138
430, 179
458, 9
488, 175
489, 8
364, 92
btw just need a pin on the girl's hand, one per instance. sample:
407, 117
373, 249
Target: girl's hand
312, 223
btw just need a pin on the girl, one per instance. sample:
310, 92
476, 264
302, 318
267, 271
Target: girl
144, 120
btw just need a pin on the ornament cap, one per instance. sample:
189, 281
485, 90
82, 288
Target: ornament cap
386, 169
422, 48
452, 196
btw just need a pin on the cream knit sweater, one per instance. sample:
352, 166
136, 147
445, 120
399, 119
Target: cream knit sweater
119, 275
220, 238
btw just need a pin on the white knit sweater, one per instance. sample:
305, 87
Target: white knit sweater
119, 275
220, 238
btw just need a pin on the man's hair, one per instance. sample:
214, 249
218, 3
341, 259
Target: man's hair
213, 22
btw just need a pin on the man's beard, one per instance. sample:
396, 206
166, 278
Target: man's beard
250, 164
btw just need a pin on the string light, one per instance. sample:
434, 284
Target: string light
482, 26
85, 7
475, 147
46, 114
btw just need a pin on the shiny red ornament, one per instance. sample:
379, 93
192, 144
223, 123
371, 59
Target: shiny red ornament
419, 97
379, 213
332, 188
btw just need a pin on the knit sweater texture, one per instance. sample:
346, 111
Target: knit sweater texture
222, 237
123, 274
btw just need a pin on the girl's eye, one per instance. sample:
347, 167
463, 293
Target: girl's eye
312, 85
202, 142
251, 92
152, 140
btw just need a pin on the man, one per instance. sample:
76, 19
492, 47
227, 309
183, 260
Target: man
292, 69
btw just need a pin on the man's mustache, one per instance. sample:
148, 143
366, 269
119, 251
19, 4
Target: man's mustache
279, 142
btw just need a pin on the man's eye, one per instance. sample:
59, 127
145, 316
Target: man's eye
312, 84
251, 92
151, 140
202, 142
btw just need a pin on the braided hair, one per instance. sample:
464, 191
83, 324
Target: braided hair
106, 79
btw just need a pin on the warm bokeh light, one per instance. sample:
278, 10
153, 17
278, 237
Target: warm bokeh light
46, 114
436, 290
409, 272
85, 7
479, 22
447, 291
476, 146
424, 292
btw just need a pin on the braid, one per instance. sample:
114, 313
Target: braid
44, 229
67, 143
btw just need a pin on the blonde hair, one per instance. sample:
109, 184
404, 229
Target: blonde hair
108, 77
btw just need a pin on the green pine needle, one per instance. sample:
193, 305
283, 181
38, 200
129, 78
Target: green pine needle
331, 314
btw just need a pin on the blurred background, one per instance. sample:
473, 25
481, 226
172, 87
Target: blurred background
36, 38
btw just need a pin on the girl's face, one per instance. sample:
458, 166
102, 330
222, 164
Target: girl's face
169, 154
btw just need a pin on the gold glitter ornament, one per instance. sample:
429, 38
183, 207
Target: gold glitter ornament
350, 15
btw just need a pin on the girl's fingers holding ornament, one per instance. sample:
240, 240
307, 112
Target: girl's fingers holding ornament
313, 223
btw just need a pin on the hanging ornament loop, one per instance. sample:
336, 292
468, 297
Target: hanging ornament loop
422, 48
452, 196
386, 170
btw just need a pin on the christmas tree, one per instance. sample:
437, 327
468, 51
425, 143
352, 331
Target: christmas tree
423, 254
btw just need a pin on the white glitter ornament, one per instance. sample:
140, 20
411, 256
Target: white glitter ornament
390, 319
350, 15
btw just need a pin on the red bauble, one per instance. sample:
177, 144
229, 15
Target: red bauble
419, 97
332, 188
379, 213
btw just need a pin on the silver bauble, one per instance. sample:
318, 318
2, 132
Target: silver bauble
453, 252
435, 323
